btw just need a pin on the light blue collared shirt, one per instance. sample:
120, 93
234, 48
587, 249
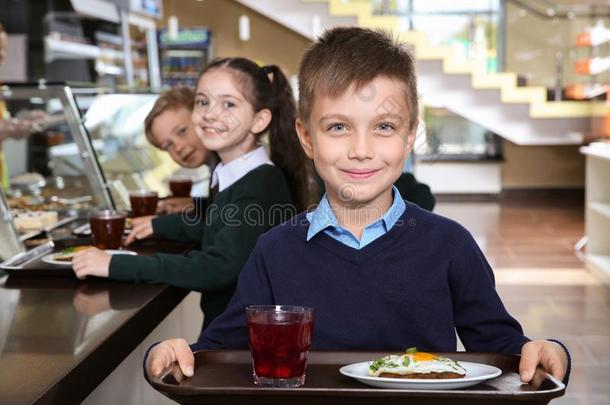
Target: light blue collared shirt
323, 219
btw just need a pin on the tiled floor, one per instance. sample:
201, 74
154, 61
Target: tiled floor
529, 241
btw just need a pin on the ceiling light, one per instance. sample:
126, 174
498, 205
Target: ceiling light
244, 28
172, 27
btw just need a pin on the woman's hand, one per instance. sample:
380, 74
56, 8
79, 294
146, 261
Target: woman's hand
22, 125
168, 352
142, 228
3, 44
91, 262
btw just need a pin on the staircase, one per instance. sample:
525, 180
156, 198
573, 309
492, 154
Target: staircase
303, 17
521, 115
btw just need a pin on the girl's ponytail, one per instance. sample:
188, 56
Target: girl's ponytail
286, 151
267, 87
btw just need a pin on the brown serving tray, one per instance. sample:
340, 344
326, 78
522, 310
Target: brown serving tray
225, 377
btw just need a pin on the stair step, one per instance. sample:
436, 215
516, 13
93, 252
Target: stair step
458, 67
350, 8
500, 80
530, 94
568, 109
429, 53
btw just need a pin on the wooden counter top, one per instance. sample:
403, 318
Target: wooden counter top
60, 337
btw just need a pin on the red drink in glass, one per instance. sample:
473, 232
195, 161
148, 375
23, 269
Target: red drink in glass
143, 202
107, 228
280, 338
180, 186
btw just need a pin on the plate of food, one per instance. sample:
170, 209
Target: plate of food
414, 370
64, 257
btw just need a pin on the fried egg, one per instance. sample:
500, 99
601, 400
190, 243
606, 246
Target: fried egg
414, 362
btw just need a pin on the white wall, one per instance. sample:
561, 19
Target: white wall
126, 384
14, 68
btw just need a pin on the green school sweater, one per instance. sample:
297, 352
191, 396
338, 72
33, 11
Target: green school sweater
227, 233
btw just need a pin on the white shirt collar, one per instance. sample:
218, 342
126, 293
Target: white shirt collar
226, 175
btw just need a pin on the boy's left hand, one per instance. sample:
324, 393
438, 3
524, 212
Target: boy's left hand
549, 355
91, 262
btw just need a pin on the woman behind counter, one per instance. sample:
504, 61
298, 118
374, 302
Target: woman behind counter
236, 102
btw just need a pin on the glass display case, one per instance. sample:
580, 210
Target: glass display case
37, 197
10, 243
115, 124
87, 149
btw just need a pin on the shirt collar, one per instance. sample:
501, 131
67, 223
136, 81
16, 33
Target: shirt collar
323, 216
227, 175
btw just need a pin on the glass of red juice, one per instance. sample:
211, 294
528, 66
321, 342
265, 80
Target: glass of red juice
107, 228
280, 337
180, 186
143, 202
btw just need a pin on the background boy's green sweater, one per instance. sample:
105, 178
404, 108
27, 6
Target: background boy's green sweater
227, 233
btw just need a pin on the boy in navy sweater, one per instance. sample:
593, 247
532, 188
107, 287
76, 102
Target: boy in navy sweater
381, 273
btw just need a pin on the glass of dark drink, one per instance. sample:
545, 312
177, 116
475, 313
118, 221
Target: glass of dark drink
143, 202
280, 338
107, 228
180, 186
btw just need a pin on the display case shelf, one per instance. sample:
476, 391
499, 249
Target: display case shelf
61, 49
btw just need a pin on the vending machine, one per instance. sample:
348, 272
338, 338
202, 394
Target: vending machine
183, 56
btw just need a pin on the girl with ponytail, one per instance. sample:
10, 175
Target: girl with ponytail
251, 189
268, 92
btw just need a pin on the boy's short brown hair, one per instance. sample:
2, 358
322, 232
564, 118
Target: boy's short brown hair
343, 56
171, 99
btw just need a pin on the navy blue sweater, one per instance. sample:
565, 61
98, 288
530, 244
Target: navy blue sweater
415, 286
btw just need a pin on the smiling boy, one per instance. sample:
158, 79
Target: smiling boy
381, 273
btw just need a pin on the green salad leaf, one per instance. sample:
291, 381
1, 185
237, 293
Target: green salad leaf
376, 365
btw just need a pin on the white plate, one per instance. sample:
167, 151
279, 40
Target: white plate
475, 374
49, 258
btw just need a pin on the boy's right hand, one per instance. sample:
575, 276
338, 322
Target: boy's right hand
142, 228
168, 352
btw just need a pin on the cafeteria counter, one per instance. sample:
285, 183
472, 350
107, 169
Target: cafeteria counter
68, 341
